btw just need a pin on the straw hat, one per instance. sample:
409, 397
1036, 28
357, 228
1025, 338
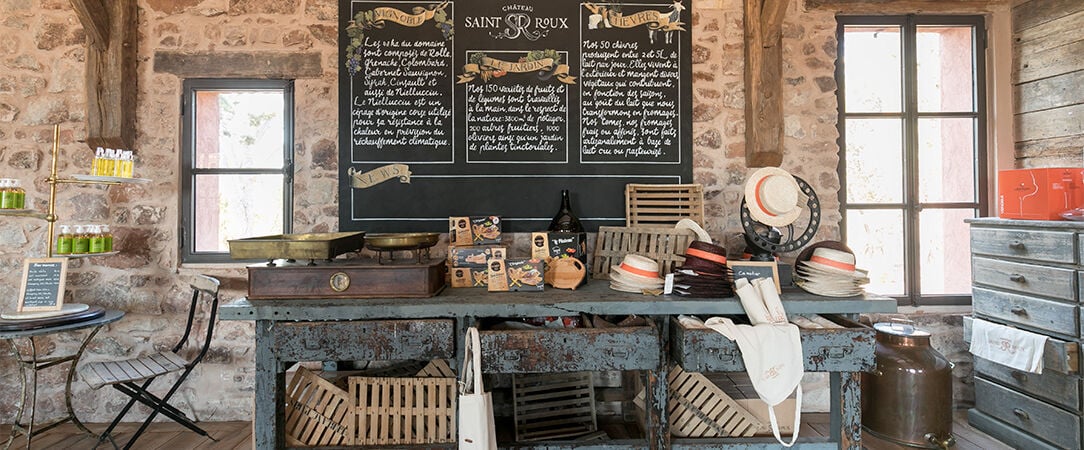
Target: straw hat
832, 260
636, 271
773, 197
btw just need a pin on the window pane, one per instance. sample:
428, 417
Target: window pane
876, 237
946, 73
945, 255
874, 160
873, 74
239, 129
946, 157
234, 207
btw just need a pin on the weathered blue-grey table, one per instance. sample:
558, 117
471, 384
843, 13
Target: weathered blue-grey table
423, 329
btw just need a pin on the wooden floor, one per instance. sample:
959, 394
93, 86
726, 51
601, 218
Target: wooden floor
238, 435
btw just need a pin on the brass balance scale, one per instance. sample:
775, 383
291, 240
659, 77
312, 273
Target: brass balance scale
285, 276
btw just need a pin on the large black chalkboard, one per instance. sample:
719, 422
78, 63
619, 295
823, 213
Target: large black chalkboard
482, 107
43, 284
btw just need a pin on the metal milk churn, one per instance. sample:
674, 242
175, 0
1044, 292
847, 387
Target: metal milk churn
907, 398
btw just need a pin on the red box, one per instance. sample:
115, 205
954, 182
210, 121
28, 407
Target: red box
1039, 194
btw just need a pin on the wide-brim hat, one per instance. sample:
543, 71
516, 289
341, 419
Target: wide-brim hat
705, 254
773, 197
637, 270
832, 261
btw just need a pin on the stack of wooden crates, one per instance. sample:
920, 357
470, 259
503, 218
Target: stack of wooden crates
372, 410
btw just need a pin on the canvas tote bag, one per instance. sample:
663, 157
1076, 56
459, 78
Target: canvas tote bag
476, 428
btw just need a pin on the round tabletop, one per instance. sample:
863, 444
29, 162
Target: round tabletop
110, 316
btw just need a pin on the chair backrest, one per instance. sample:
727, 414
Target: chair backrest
204, 288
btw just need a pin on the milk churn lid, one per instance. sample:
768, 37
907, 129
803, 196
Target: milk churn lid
901, 328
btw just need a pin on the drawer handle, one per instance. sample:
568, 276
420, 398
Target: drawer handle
1016, 245
1021, 413
1016, 278
1019, 311
1020, 376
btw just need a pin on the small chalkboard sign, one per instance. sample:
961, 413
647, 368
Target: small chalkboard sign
43, 284
755, 269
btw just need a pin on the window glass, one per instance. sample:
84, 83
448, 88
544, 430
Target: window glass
946, 73
874, 75
874, 160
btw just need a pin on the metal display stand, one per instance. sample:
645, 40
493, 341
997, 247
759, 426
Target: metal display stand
31, 362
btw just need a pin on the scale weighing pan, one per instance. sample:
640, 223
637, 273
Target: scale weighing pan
311, 246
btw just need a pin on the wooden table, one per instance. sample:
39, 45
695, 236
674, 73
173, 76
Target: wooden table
355, 329
31, 363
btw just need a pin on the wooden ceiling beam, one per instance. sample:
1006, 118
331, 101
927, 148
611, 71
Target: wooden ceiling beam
111, 70
95, 17
764, 82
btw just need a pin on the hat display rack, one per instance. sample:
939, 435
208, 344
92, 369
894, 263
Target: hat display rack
780, 199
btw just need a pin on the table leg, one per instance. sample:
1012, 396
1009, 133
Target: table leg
71, 376
23, 398
267, 422
847, 409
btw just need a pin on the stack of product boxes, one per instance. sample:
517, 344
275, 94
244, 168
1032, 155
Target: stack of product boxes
550, 245
473, 243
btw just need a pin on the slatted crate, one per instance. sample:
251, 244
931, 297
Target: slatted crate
656, 205
699, 408
553, 406
397, 411
665, 245
317, 412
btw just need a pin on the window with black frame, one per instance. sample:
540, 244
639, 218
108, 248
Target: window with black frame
236, 164
912, 125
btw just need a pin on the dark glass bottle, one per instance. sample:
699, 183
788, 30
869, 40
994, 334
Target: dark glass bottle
564, 220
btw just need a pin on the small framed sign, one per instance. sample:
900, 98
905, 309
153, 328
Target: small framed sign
43, 284
755, 269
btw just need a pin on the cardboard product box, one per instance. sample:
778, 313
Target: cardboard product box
474, 255
516, 274
550, 244
469, 277
474, 230
1039, 194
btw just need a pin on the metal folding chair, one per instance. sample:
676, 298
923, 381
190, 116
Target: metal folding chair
132, 376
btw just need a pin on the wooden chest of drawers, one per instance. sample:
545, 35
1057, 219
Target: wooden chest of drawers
1028, 274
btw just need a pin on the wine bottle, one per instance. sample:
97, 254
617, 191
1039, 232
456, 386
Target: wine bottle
564, 220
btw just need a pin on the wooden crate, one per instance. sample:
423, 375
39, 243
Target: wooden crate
318, 413
553, 406
665, 245
663, 204
397, 411
699, 408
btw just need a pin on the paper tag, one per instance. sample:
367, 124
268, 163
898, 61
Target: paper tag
668, 287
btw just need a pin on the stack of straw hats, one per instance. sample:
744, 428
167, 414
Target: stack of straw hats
704, 272
828, 268
635, 274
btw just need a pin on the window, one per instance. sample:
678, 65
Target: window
912, 128
236, 164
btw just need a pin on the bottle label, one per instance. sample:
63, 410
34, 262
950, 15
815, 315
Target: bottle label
97, 245
80, 245
108, 243
7, 200
64, 245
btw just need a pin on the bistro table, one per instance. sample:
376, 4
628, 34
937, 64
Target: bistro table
31, 363
291, 330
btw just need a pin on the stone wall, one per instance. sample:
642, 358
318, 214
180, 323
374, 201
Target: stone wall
41, 84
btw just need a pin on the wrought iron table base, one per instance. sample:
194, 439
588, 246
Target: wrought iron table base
28, 371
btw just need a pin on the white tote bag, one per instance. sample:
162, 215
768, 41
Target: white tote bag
476, 428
